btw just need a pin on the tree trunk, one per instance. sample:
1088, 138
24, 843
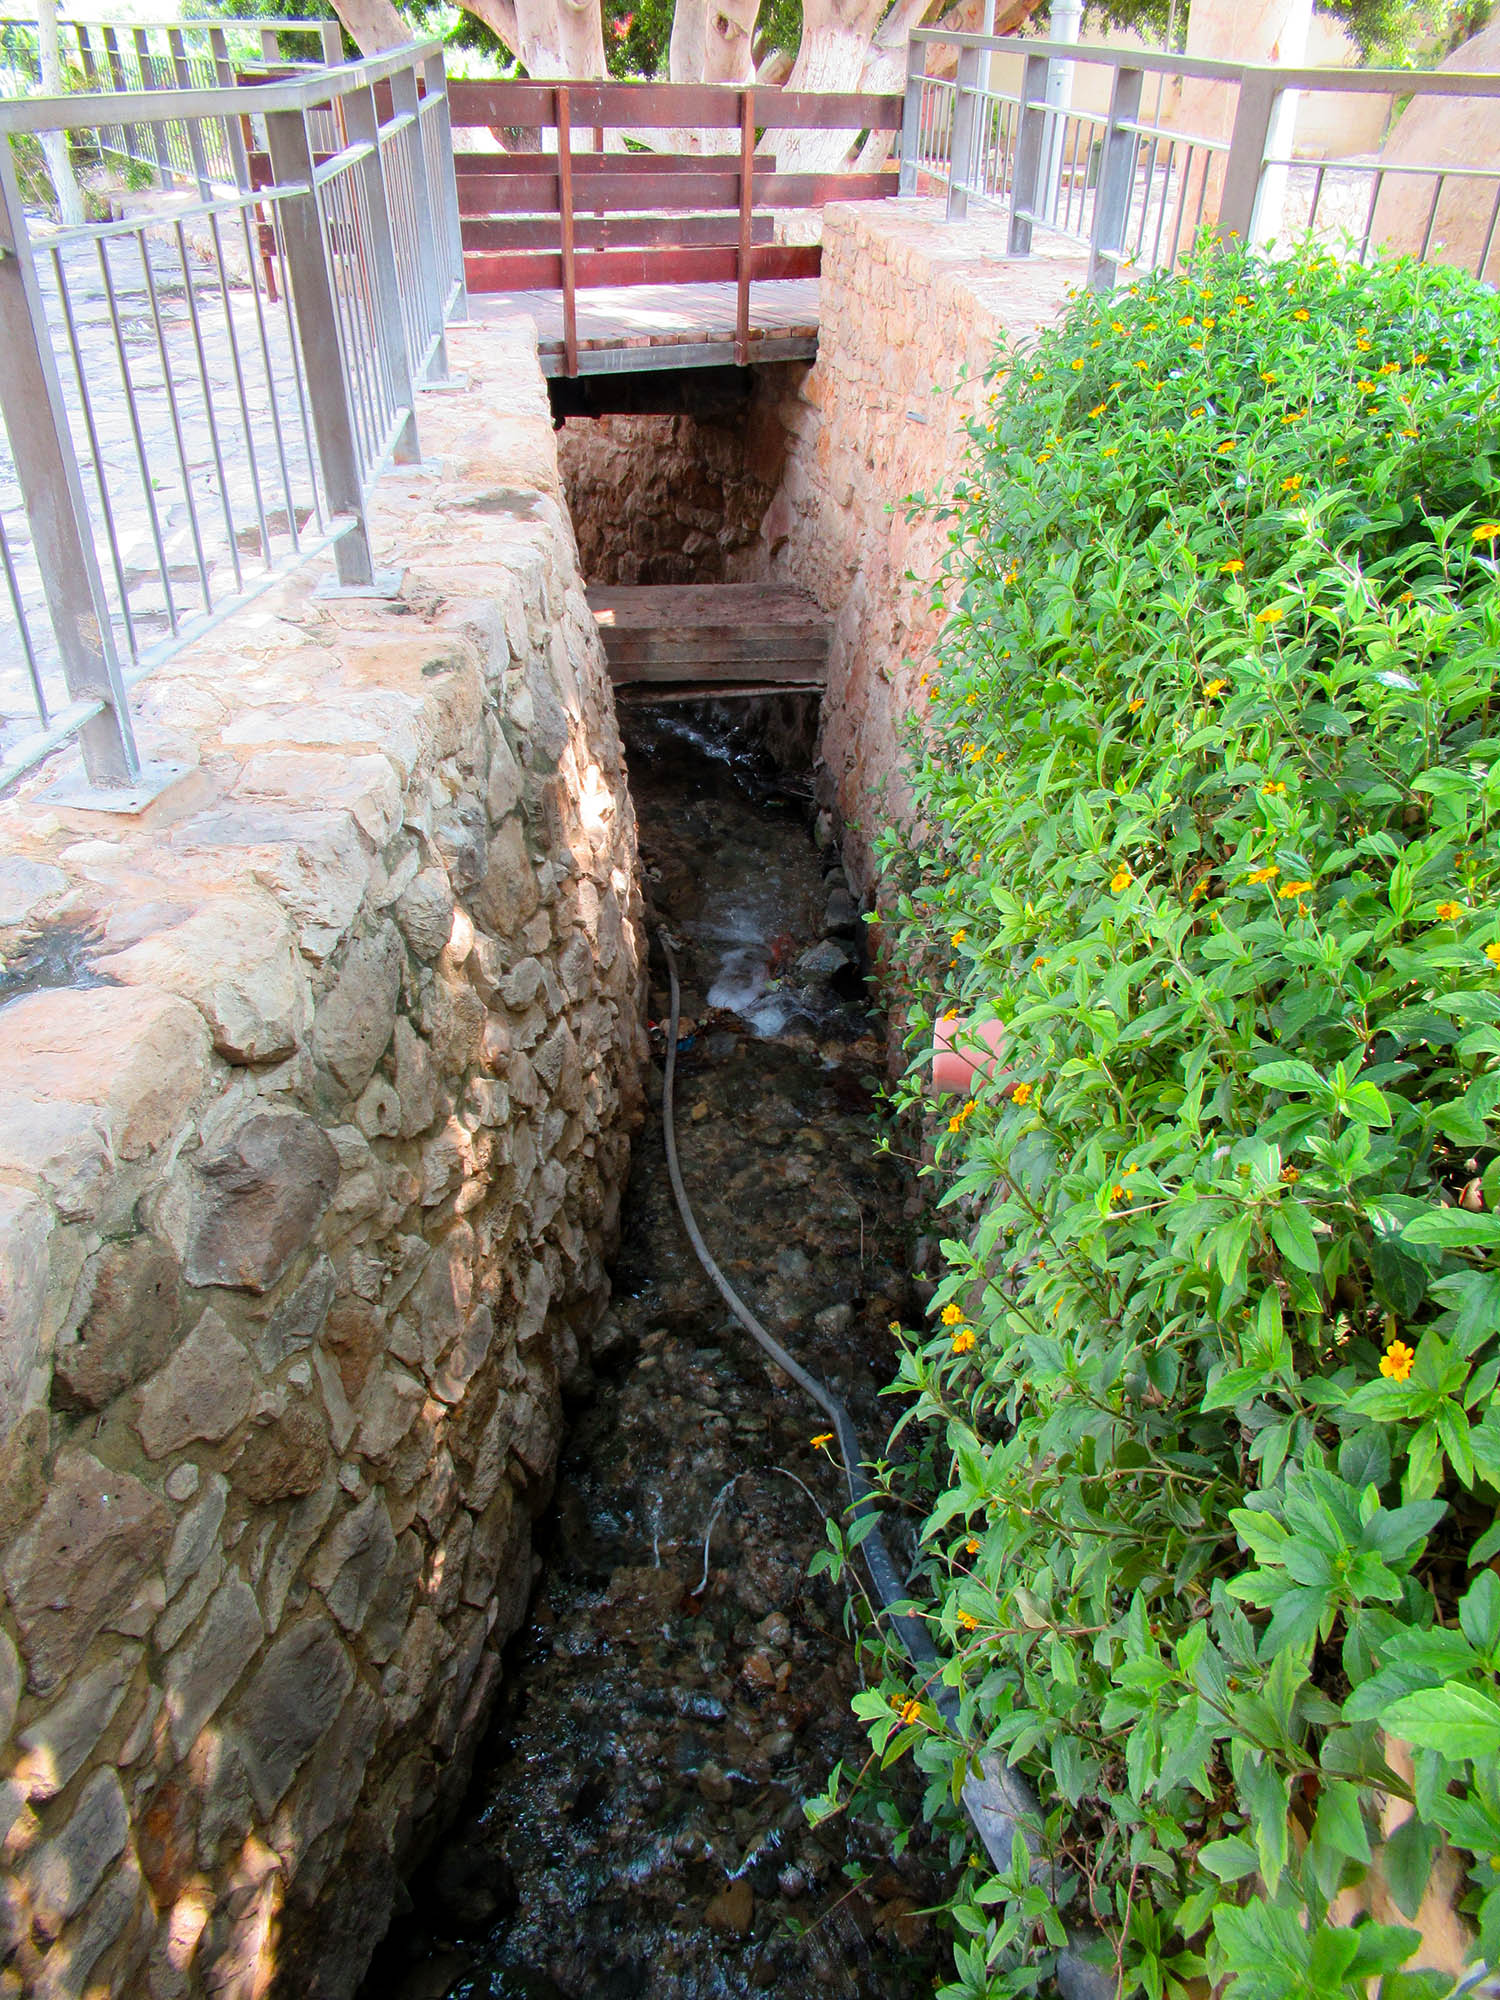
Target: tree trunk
373, 24
560, 38
499, 16
835, 46
711, 43
55, 144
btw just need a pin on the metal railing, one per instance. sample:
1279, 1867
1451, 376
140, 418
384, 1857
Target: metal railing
197, 398
1134, 188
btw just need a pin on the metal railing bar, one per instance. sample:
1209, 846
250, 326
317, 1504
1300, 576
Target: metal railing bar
310, 457
348, 156
1437, 195
96, 453
226, 204
1158, 131
176, 416
1397, 167
147, 488
1317, 196
1489, 237
23, 626
1166, 201
1364, 241
240, 391
1202, 197
209, 412
63, 727
334, 225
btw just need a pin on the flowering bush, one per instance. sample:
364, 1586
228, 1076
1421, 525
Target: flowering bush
1208, 800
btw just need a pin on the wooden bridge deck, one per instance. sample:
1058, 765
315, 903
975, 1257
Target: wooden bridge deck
628, 328
684, 641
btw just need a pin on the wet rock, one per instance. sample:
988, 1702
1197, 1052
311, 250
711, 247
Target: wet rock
79, 1565
841, 913
715, 1786
472, 1886
733, 1909
261, 1196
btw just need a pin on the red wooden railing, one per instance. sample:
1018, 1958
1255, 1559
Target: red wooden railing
575, 216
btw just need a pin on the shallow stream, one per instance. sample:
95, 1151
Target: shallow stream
635, 1827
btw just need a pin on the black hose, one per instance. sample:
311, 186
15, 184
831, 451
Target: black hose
998, 1801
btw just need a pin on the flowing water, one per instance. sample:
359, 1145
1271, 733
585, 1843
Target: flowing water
635, 1825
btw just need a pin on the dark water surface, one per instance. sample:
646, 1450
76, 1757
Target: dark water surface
635, 1825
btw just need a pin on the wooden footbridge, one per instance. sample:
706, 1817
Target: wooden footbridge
657, 214
680, 642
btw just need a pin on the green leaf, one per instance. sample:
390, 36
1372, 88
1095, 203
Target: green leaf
1454, 1229
1406, 1859
1292, 1232
1457, 1722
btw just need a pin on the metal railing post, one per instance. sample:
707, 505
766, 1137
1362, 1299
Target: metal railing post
911, 116
406, 103
456, 306
317, 336
149, 81
968, 82
362, 124
234, 137
36, 422
331, 35
1259, 90
1031, 146
184, 77
1116, 181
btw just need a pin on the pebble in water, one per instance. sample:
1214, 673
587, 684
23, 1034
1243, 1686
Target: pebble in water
638, 1806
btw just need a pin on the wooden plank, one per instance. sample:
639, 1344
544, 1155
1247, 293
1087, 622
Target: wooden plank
655, 656
765, 345
641, 692
536, 193
565, 192
656, 607
657, 106
720, 670
511, 164
614, 232
541, 270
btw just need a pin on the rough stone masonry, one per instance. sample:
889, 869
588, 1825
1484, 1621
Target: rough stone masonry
316, 1085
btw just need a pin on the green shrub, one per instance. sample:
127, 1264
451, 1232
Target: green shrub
1208, 799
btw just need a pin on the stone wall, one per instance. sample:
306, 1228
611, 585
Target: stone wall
315, 1089
679, 498
913, 310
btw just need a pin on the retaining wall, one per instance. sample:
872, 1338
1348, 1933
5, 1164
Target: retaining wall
316, 1083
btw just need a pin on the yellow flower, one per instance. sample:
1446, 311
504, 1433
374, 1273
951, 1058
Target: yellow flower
1292, 485
1042, 457
955, 1123
1196, 346
1117, 326
1185, 320
1214, 689
1232, 567
1037, 964
1450, 912
1273, 788
959, 936
1272, 614
1290, 1176
1021, 1093
1396, 1362
1241, 299
1200, 890
953, 1315
971, 1546
1098, 409
1417, 360
968, 1621
1227, 445
1121, 879
821, 1441
1109, 451
1302, 313
1290, 889
963, 1339
1038, 375
1117, 1192
1269, 375
910, 1712
1390, 368
1077, 366
1293, 416
1269, 874
1492, 953
1136, 703
1366, 388
1487, 531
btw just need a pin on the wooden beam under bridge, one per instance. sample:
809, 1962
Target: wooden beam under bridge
676, 640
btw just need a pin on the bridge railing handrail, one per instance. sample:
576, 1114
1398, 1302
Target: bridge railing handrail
1137, 189
312, 307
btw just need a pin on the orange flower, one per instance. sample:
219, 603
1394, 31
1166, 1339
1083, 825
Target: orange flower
1121, 879
1450, 912
963, 1339
1021, 1093
1269, 874
1232, 567
1290, 889
1396, 1362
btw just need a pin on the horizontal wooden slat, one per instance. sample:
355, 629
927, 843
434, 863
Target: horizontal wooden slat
541, 270
472, 165
536, 193
810, 648
720, 670
649, 106
611, 232
656, 692
675, 607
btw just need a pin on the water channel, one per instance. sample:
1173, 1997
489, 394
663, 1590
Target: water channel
635, 1828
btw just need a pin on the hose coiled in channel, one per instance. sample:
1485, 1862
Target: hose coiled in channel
998, 1801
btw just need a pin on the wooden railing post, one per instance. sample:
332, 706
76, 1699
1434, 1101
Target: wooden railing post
747, 203
1116, 181
1031, 144
565, 210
